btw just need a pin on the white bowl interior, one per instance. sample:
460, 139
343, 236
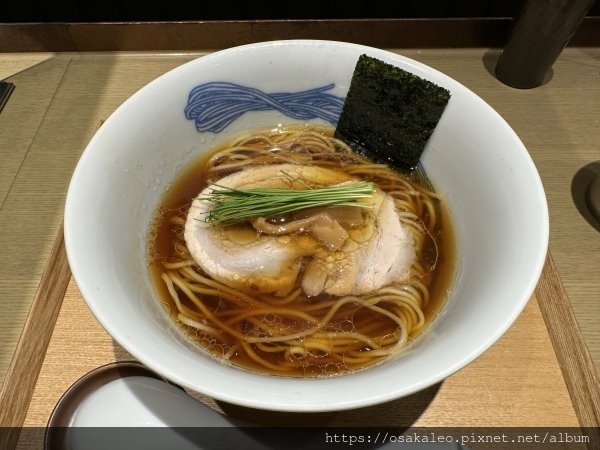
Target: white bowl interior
476, 161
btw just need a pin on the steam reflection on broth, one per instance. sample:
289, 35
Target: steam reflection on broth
334, 310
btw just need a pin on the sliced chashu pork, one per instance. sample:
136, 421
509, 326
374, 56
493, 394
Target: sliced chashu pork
241, 257
378, 252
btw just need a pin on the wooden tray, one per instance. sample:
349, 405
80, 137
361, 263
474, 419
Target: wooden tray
539, 374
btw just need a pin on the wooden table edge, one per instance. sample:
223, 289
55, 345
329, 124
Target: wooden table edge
421, 32
573, 356
26, 364
17, 390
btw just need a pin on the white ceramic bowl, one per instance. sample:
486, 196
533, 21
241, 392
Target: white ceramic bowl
475, 159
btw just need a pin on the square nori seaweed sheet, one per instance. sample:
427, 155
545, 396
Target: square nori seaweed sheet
389, 114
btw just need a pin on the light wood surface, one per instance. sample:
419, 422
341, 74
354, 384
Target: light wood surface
527, 377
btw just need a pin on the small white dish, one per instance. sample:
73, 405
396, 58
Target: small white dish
125, 406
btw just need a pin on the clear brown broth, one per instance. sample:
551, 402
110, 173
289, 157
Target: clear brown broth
177, 200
